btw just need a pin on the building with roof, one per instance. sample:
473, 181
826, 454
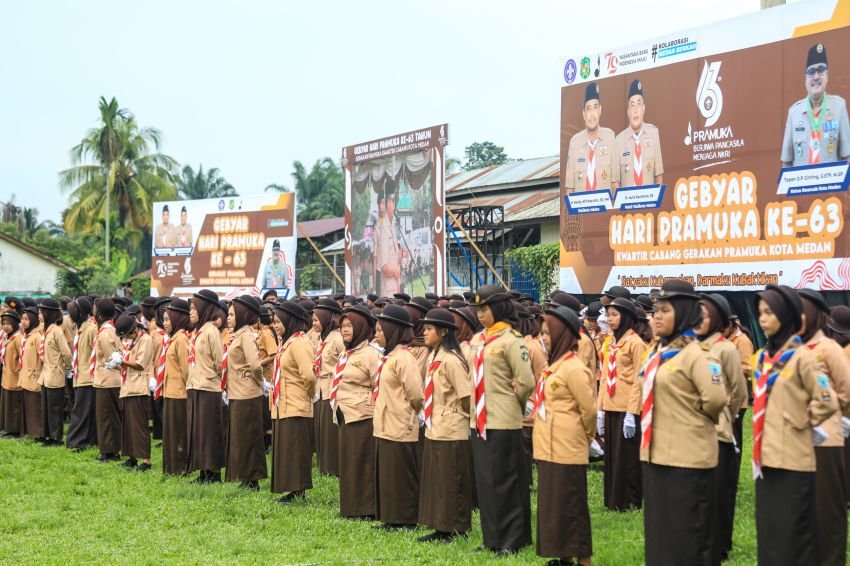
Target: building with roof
27, 271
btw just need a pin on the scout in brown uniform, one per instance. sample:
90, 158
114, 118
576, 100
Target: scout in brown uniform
619, 408
682, 394
82, 430
417, 308
467, 325
246, 452
791, 398
638, 147
538, 357
135, 370
565, 425
291, 403
12, 402
838, 328
267, 347
56, 360
715, 319
331, 346
107, 382
592, 162
830, 497
29, 370
204, 407
175, 441
502, 382
397, 395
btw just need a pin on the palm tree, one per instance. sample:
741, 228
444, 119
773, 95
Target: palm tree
200, 185
320, 193
118, 161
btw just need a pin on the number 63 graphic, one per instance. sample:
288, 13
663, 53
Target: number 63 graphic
709, 95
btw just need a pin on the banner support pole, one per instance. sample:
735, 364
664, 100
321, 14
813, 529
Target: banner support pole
476, 248
321, 256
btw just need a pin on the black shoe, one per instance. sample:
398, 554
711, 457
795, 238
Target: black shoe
202, 477
437, 536
213, 477
253, 485
143, 467
129, 463
395, 527
504, 551
10, 435
292, 496
361, 518
108, 458
560, 562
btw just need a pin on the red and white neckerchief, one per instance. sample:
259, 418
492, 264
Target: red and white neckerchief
813, 345
340, 367
6, 341
224, 364
611, 379
276, 376
193, 336
656, 360
317, 361
814, 146
540, 388
590, 179
638, 161
75, 356
159, 376
429, 391
41, 344
478, 385
93, 358
126, 348
24, 341
376, 386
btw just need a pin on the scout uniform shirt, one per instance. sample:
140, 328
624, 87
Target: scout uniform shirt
354, 395
244, 374
30, 362
176, 366
629, 357
297, 382
506, 362
183, 235
331, 347
10, 374
733, 380
68, 328
387, 253
639, 168
688, 398
831, 142
451, 398
205, 374
267, 348
57, 358
538, 358
592, 169
165, 236
136, 383
588, 354
399, 398
830, 356
85, 344
421, 354
563, 437
746, 350
106, 342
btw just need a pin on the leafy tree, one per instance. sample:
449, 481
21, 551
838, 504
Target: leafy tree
320, 193
452, 164
484, 154
202, 184
541, 261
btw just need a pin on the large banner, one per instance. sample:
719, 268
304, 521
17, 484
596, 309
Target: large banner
232, 245
394, 210
718, 156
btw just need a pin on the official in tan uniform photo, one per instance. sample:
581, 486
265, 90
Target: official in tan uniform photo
387, 253
639, 146
592, 161
165, 235
183, 231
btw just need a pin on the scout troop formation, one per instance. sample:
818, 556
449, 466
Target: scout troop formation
429, 407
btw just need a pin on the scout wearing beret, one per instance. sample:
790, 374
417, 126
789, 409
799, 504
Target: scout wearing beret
592, 160
639, 146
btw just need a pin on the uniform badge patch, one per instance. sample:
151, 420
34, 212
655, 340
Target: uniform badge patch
524, 355
715, 370
823, 381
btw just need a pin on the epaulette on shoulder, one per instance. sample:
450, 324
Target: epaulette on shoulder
705, 346
516, 333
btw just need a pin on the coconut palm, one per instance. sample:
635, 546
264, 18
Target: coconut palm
320, 193
209, 184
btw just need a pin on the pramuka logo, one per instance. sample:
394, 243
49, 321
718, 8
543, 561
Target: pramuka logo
711, 145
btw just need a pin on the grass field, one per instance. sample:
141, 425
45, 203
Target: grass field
63, 507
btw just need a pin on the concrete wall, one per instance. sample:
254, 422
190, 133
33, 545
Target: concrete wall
22, 273
549, 232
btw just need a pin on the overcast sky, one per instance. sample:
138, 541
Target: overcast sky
250, 86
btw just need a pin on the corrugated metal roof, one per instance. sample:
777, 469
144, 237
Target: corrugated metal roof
318, 228
537, 169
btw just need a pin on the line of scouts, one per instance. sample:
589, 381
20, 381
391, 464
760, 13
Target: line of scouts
429, 407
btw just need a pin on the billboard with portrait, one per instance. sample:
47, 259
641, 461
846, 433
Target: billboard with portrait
232, 245
394, 214
717, 155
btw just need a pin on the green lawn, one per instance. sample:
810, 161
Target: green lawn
63, 507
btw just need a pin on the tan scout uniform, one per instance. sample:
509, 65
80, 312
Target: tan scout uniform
136, 384
734, 382
165, 236
747, 351
538, 359
421, 354
399, 398
627, 391
88, 334
451, 398
183, 235
334, 346
506, 363
244, 374
570, 425
387, 253
354, 396
830, 356
834, 144
57, 359
650, 155
297, 382
607, 161
588, 355
267, 348
688, 403
176, 367
31, 365
205, 375
68, 329
315, 338
106, 342
11, 376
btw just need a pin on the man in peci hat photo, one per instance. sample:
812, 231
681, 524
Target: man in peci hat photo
165, 236
592, 161
638, 147
278, 273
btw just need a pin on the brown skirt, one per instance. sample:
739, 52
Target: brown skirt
528, 451
563, 517
292, 458
397, 480
445, 501
205, 431
135, 433
174, 440
82, 430
246, 452
785, 518
53, 413
356, 468
12, 412
830, 505
622, 488
327, 439
33, 424
108, 415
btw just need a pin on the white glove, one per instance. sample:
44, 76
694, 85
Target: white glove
267, 387
600, 423
819, 435
629, 426
845, 426
529, 408
152, 384
224, 397
114, 360
595, 450
69, 375
421, 417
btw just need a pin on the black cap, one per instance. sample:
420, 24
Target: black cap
722, 305
591, 92
50, 305
372, 297
402, 297
13, 303
625, 305
433, 297
567, 316
124, 325
397, 315
840, 319
12, 313
329, 305
252, 303
363, 311
178, 305
276, 245
593, 310
148, 302
294, 309
677, 288
28, 302
815, 298
566, 300
270, 292
817, 55
489, 294
440, 317
618, 292
467, 314
209, 296
105, 308
165, 208
421, 303
645, 303
133, 309
635, 88
792, 298
164, 301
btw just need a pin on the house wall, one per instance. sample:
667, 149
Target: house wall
549, 232
22, 273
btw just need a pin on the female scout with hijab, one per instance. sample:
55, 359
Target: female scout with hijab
715, 319
502, 382
82, 430
445, 502
467, 325
838, 328
331, 346
107, 382
291, 403
175, 320
791, 398
29, 366
56, 359
830, 496
537, 356
564, 427
682, 394
205, 418
350, 400
397, 396
267, 346
12, 401
416, 309
618, 417
135, 405
242, 379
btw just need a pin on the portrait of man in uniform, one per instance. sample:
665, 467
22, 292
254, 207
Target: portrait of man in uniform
278, 273
184, 230
592, 161
817, 129
387, 253
639, 146
165, 236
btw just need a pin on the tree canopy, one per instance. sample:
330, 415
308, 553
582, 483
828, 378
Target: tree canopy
484, 154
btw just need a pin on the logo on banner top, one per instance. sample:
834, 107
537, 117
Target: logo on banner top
585, 67
570, 71
709, 95
612, 61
